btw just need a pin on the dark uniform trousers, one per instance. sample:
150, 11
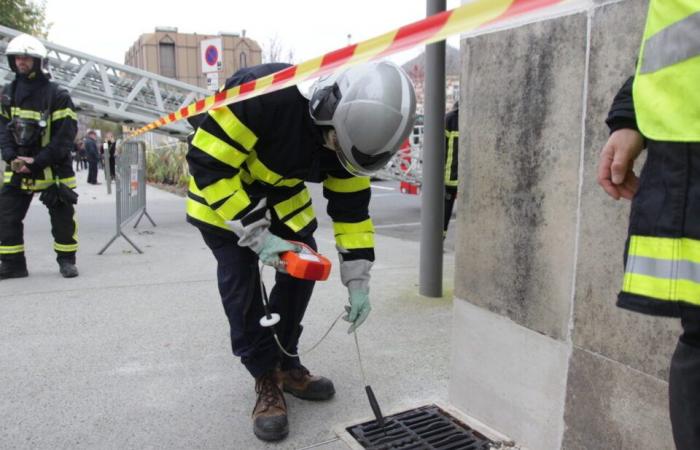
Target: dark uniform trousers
14, 204
239, 286
667, 204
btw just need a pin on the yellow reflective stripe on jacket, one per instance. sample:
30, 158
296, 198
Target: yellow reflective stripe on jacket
345, 185
293, 203
662, 289
205, 214
354, 235
11, 249
663, 268
301, 219
665, 248
65, 247
233, 127
236, 203
221, 189
258, 171
25, 113
7, 176
218, 149
63, 113
451, 136
3, 114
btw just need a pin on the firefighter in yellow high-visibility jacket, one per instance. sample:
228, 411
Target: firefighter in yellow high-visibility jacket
660, 109
249, 163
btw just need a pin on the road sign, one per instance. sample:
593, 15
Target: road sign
212, 55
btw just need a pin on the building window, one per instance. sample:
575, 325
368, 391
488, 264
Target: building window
242, 60
167, 59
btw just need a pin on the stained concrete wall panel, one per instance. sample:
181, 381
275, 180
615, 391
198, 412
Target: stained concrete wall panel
611, 406
523, 95
643, 342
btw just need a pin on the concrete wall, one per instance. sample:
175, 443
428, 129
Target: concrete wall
539, 350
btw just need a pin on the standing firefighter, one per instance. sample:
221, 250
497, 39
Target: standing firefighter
37, 130
451, 160
249, 162
660, 108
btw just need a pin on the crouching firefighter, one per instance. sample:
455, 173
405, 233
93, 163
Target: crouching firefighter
249, 163
37, 129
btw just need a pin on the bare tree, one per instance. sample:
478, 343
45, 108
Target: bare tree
275, 51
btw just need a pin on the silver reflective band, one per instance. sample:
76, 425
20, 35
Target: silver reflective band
672, 45
663, 268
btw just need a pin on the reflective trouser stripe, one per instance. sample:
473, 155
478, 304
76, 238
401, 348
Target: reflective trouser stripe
68, 248
663, 269
11, 249
673, 44
354, 235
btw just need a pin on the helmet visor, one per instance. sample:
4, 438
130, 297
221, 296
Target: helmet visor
361, 164
324, 103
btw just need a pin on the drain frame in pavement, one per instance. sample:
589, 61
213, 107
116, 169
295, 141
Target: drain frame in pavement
426, 427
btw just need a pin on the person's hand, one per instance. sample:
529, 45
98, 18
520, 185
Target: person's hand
19, 165
615, 166
271, 249
359, 307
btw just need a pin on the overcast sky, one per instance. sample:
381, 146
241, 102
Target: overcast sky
308, 27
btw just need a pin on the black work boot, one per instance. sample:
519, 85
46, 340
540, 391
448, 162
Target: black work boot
67, 268
270, 412
300, 383
10, 270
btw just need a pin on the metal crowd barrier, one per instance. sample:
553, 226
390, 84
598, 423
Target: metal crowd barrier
130, 182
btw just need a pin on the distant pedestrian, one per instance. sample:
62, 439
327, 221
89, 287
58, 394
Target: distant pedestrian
93, 156
111, 147
82, 156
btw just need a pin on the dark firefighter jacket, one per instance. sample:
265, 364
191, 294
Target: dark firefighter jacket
451, 147
663, 247
266, 148
37, 98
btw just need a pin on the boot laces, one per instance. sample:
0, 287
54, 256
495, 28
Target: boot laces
268, 391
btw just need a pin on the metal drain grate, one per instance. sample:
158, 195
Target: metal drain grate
427, 427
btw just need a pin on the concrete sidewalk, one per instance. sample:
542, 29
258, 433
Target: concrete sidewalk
135, 352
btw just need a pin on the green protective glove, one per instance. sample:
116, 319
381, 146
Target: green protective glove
359, 308
271, 248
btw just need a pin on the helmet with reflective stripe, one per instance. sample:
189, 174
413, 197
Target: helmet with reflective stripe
371, 107
26, 45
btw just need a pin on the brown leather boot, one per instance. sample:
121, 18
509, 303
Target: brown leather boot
270, 412
300, 383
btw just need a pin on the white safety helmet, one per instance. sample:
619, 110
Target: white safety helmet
371, 107
26, 45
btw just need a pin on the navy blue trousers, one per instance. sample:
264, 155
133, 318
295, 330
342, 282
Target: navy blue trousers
239, 286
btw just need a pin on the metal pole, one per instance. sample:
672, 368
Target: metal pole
433, 186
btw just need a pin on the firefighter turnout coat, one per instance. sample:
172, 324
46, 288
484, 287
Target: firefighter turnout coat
265, 149
39, 99
662, 261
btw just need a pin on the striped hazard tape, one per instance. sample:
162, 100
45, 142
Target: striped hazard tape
468, 17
